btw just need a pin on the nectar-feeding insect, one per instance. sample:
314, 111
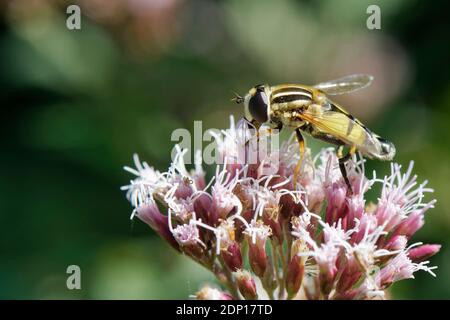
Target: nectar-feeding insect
308, 109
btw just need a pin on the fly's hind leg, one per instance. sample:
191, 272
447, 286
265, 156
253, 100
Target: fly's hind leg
342, 161
301, 144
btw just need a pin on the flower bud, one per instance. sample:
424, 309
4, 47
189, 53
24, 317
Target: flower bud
151, 215
207, 293
233, 167
244, 197
258, 259
223, 201
272, 219
232, 256
246, 285
257, 248
296, 268
350, 274
368, 223
396, 243
387, 213
294, 277
327, 262
287, 205
188, 237
315, 196
423, 252
410, 225
355, 209
399, 268
184, 189
202, 206
335, 194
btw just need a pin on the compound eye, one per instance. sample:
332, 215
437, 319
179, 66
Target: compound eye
257, 106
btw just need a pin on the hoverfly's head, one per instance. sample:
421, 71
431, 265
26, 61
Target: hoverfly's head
256, 104
387, 149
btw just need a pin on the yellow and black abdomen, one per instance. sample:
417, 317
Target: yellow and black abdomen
330, 120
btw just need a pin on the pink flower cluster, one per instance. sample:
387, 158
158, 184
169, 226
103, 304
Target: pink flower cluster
264, 238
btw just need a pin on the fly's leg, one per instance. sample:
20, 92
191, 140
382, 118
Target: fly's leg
342, 161
270, 132
252, 124
301, 144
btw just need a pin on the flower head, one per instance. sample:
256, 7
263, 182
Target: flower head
316, 236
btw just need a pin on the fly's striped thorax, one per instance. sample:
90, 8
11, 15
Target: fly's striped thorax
290, 93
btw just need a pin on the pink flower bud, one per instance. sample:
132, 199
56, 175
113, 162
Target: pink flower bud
335, 194
244, 197
232, 256
184, 189
294, 277
355, 210
315, 195
272, 219
368, 223
423, 252
350, 274
151, 215
258, 259
399, 268
207, 293
202, 206
326, 258
287, 205
388, 214
257, 248
410, 225
246, 285
232, 168
223, 202
188, 237
357, 181
199, 180
396, 243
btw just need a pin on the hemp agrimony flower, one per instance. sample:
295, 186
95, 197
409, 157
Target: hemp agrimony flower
264, 238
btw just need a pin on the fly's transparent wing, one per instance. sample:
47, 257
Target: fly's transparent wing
345, 84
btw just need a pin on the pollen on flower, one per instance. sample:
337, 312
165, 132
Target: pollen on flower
262, 234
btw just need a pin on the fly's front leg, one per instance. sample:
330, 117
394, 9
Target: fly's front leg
270, 131
275, 127
342, 161
301, 144
250, 125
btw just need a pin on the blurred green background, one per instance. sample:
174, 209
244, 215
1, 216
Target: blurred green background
75, 106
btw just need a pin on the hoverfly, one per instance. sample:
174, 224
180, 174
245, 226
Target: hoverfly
308, 109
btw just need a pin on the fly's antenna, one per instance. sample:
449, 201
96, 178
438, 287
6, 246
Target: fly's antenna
237, 98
